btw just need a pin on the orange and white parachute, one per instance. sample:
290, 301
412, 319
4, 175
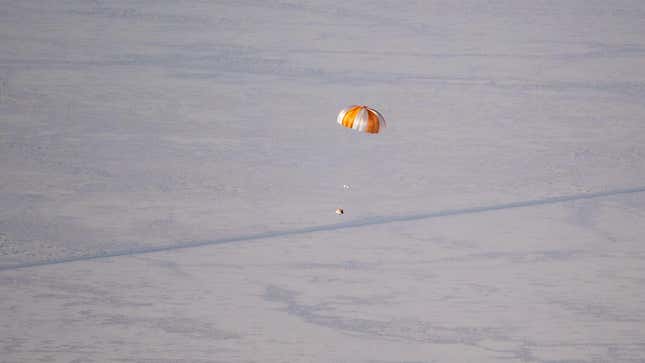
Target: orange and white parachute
362, 118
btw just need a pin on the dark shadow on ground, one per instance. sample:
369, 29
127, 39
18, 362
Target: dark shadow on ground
358, 223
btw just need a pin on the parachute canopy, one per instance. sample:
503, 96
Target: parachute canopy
362, 118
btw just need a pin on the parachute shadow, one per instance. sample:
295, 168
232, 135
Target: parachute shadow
371, 221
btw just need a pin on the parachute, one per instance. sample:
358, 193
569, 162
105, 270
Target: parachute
362, 119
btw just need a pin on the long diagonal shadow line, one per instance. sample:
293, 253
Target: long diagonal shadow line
330, 227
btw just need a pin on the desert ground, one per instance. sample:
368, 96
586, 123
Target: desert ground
169, 172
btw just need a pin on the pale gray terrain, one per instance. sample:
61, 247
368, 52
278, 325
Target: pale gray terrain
169, 172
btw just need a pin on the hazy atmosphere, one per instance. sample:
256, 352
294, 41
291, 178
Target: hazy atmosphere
169, 172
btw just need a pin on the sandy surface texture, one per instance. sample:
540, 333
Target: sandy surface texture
169, 173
